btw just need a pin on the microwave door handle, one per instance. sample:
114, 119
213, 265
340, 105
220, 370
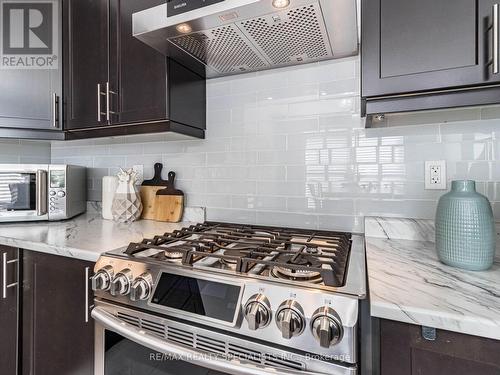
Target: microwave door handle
110, 322
41, 192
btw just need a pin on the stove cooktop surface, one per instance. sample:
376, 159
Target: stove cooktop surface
290, 255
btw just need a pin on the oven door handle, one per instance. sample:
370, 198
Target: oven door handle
206, 360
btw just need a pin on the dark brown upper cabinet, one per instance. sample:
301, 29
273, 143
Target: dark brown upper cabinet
85, 60
31, 78
116, 85
428, 54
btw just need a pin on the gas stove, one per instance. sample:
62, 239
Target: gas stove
287, 293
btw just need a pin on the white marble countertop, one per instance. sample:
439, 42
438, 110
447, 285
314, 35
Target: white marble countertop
85, 237
408, 283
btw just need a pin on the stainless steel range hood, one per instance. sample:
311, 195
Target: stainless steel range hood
238, 36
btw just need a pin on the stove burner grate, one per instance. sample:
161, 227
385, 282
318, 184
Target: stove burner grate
289, 254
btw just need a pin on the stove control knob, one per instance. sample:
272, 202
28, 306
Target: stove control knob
290, 319
257, 312
326, 326
102, 279
121, 283
141, 287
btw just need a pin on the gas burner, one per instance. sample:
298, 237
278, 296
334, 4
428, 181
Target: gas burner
311, 250
169, 255
231, 256
303, 275
300, 275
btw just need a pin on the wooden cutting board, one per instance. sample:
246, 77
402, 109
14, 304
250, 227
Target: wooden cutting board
148, 193
169, 202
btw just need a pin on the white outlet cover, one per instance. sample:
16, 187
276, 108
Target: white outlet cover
429, 184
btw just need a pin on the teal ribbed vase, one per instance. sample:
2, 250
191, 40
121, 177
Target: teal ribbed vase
465, 228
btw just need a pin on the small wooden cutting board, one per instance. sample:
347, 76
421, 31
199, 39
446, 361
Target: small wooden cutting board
148, 193
169, 202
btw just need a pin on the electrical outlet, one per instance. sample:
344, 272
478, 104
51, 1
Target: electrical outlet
435, 175
139, 169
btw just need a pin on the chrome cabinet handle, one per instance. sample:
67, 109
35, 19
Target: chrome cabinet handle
495, 39
99, 104
87, 270
4, 275
41, 192
108, 117
6, 286
55, 110
109, 112
139, 336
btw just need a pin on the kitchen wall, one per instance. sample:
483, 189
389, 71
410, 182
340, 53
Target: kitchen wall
288, 147
16, 151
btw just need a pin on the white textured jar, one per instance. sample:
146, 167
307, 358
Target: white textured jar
109, 185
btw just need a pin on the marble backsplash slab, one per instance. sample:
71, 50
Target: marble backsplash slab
405, 229
400, 228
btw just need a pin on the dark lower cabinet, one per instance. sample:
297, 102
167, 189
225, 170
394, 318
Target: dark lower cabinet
57, 330
404, 351
9, 308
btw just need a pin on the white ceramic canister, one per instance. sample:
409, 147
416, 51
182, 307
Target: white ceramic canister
109, 185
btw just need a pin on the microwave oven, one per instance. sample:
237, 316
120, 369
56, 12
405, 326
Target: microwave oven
49, 192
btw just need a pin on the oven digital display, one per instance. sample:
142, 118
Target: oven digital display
202, 297
57, 179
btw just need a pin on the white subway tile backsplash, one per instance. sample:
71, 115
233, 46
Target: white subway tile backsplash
289, 126
342, 223
30, 152
109, 161
287, 219
323, 107
260, 142
287, 95
334, 89
288, 147
259, 202
219, 89
420, 208
232, 215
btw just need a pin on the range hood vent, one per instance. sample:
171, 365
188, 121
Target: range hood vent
237, 36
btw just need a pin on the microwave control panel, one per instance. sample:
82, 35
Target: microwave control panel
57, 193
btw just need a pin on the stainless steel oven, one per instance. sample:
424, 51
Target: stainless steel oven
217, 298
32, 192
130, 342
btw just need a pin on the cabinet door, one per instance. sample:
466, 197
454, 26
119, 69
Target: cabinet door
9, 312
137, 71
411, 46
86, 42
29, 97
58, 332
403, 351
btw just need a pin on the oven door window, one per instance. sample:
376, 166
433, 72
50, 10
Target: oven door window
17, 191
125, 357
